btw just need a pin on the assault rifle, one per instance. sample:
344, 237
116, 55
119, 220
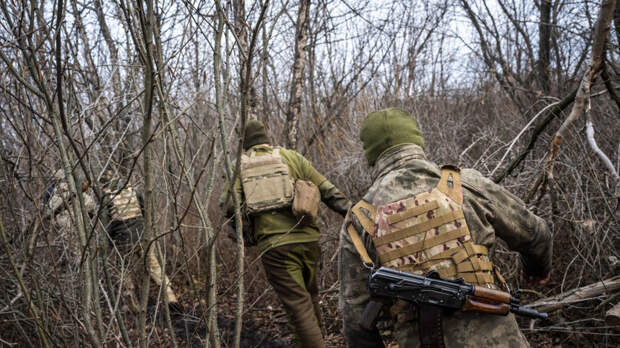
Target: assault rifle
386, 283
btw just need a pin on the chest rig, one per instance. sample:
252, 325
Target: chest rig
266, 182
426, 232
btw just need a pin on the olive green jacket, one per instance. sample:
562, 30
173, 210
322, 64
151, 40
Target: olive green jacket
280, 227
491, 212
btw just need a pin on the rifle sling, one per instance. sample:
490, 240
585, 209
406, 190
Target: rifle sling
367, 224
429, 326
359, 244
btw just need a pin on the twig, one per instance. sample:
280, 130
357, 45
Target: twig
600, 153
514, 141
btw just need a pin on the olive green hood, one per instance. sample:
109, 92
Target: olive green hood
255, 134
384, 129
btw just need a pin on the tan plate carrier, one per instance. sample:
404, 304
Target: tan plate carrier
266, 182
125, 205
425, 232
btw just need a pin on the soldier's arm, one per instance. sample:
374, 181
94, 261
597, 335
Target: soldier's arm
522, 230
330, 195
354, 295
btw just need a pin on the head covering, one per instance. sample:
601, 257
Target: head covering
385, 129
255, 134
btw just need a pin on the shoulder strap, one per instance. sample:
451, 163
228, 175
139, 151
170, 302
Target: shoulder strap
366, 220
358, 243
450, 183
367, 223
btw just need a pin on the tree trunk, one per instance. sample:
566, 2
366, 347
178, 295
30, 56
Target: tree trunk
229, 172
294, 104
544, 45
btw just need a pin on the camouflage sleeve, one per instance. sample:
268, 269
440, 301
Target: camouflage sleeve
521, 229
353, 295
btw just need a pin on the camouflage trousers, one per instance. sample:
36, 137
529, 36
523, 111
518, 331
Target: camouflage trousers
292, 271
464, 329
133, 254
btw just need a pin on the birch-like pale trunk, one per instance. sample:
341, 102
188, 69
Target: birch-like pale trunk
601, 32
294, 104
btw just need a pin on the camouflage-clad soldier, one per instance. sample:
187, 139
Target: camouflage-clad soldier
126, 225
59, 202
290, 249
393, 146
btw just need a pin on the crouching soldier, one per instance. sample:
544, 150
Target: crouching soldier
124, 212
418, 217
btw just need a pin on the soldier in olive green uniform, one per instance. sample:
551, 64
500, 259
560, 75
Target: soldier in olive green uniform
126, 225
290, 250
393, 146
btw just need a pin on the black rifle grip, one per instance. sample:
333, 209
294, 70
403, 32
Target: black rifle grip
370, 315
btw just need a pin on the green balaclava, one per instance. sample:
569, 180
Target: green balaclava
255, 134
384, 129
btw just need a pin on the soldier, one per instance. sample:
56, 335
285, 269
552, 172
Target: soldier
288, 244
59, 202
125, 227
418, 217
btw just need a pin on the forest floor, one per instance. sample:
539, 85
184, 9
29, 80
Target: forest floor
265, 326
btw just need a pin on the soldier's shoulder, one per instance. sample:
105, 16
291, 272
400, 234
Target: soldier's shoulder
293, 158
403, 183
472, 177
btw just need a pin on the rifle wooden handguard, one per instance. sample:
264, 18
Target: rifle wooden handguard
473, 305
492, 294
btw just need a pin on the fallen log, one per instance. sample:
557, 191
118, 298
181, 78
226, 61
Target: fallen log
588, 292
612, 317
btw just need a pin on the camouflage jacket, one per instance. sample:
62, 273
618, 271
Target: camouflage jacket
490, 212
281, 227
59, 205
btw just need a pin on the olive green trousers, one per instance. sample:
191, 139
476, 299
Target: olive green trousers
292, 271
